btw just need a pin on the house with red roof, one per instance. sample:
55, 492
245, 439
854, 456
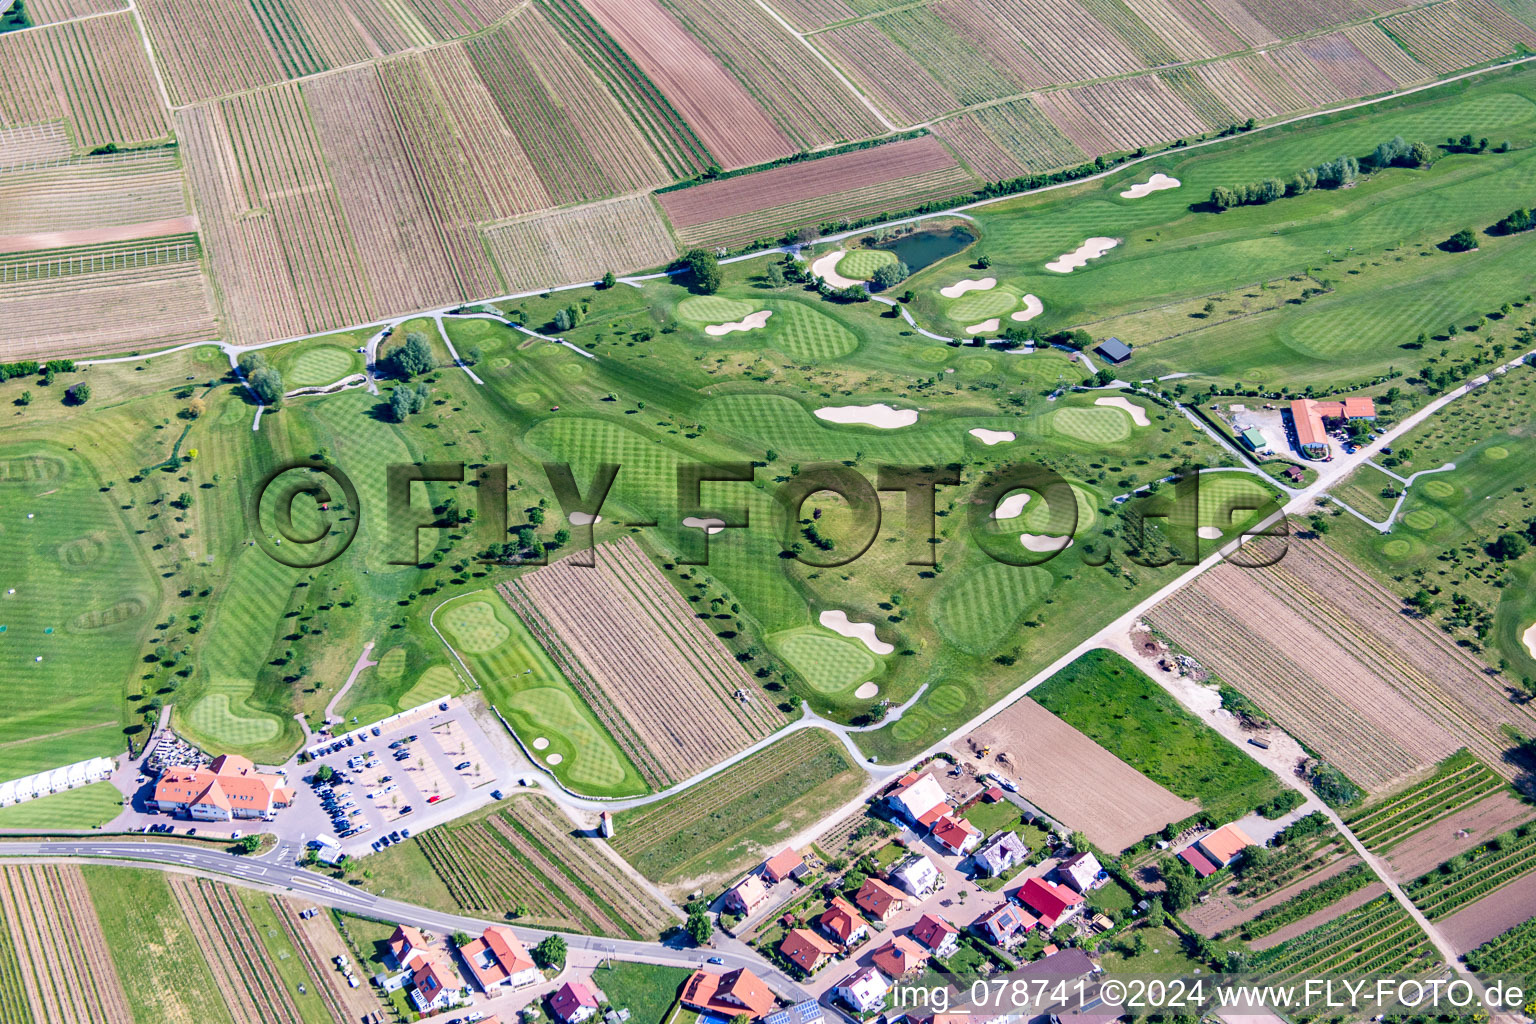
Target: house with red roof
844, 923
1310, 419
807, 950
1225, 844
729, 994
497, 960
956, 834
900, 958
1004, 925
937, 935
435, 985
573, 1003
1052, 902
919, 799
784, 864
229, 788
880, 900
405, 943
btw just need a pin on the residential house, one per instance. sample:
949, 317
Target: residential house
807, 950
573, 1003
864, 990
956, 834
900, 958
405, 944
498, 960
1063, 965
435, 985
784, 864
939, 936
1224, 845
1004, 925
1294, 474
919, 799
229, 788
880, 900
843, 922
726, 995
746, 895
807, 1011
1000, 854
916, 874
1081, 871
1051, 902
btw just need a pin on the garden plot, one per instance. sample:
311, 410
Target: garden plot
1377, 937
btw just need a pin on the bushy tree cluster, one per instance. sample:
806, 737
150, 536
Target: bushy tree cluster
889, 275
403, 401
412, 358
1336, 173
1516, 222
263, 378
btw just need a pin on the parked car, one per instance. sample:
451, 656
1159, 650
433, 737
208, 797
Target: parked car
716, 960
406, 809
433, 799
461, 766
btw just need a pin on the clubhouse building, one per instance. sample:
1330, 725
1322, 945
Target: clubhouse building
1311, 420
229, 788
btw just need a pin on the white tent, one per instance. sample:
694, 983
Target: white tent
56, 780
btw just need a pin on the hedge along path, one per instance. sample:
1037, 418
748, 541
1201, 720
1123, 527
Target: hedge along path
223, 961
72, 979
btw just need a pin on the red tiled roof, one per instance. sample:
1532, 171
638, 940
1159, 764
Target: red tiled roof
900, 957
806, 949
782, 863
931, 930
877, 896
1197, 860
1223, 844
954, 832
228, 782
1358, 407
728, 994
841, 919
934, 813
1047, 900
496, 956
570, 997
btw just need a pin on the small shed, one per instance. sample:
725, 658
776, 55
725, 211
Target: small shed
1113, 349
1254, 440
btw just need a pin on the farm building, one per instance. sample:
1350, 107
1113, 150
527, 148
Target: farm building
1113, 349
900, 958
1253, 440
230, 787
843, 922
880, 900
1310, 418
937, 935
1081, 871
784, 864
1201, 864
1003, 852
57, 780
1004, 925
573, 1003
916, 874
1224, 845
498, 960
746, 895
864, 990
1052, 902
807, 950
919, 799
956, 834
736, 992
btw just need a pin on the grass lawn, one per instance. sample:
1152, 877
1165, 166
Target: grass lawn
648, 991
1133, 718
1162, 956
87, 807
162, 967
992, 817
403, 873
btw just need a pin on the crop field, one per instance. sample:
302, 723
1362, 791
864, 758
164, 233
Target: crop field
1378, 938
731, 820
60, 952
1009, 139
316, 942
1344, 64
15, 1004
1510, 952
563, 246
727, 119
47, 12
523, 860
640, 656
1483, 891
971, 73
847, 185
1453, 35
1119, 115
1382, 698
34, 145
887, 73
1082, 785
92, 192
1457, 783
92, 73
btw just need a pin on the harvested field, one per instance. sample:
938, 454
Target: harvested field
91, 193
902, 87
1340, 665
1121, 115
1474, 878
525, 856
661, 681
60, 951
1509, 951
896, 176
1452, 35
245, 977
730, 123
281, 250
1295, 929
566, 246
122, 296
811, 106
1081, 784
1481, 821
94, 73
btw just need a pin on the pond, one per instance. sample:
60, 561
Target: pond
925, 248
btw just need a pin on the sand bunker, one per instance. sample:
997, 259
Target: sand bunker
541, 743
1157, 183
554, 758
1041, 542
747, 323
708, 525
986, 436
1012, 506
583, 518
1138, 414
866, 691
1529, 639
878, 415
826, 269
837, 622
1079, 257
1033, 307
959, 288
984, 326
1209, 532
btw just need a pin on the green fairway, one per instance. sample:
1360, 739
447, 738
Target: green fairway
980, 609
807, 335
526, 687
829, 664
1094, 425
87, 807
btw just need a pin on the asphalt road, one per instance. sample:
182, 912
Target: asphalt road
297, 881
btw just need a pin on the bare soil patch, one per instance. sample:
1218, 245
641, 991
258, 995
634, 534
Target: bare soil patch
1440, 842
1492, 915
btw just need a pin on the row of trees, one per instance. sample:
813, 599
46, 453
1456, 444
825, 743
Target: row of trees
28, 367
1336, 173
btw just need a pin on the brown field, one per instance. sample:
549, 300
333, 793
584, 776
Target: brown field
1296, 17
1190, 30
1337, 662
209, 48
810, 14
1221, 912
1121, 115
1238, 89
1492, 915
34, 145
93, 192
640, 656
1069, 43
1242, 22
1452, 35
318, 942
734, 127
567, 246
47, 12
94, 73
250, 986
1381, 51
1343, 63
1481, 821
135, 295
887, 73
1080, 783
1356, 899
751, 205
65, 968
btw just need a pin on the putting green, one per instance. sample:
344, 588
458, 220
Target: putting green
934, 354
714, 309
553, 714
861, 264
571, 371
474, 627
1397, 548
217, 718
528, 398
1096, 425
1421, 519
945, 699
1039, 517
975, 366
913, 725
391, 664
1495, 452
974, 306
320, 365
828, 664
436, 681
1438, 489
500, 363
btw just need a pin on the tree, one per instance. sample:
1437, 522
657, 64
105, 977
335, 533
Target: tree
775, 275
1462, 241
1269, 190
1223, 198
563, 320
196, 408
412, 358
983, 263
250, 844
1508, 547
888, 275
1420, 155
705, 268
699, 927
608, 280
325, 773
250, 363
1079, 841
1179, 893
25, 398
461, 939
79, 394
550, 952
1156, 915
268, 385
